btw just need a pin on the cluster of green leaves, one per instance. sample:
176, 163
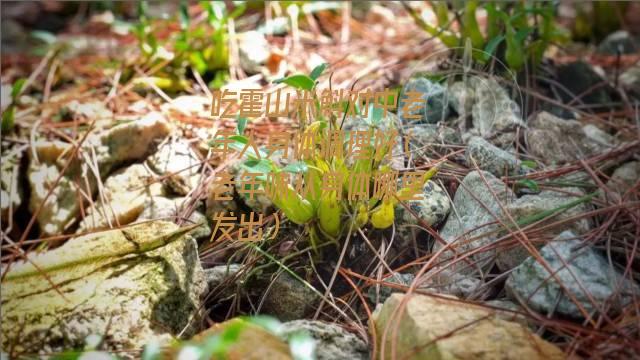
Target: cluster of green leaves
326, 215
8, 116
202, 46
516, 32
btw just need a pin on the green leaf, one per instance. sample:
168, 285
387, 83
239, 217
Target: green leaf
8, 119
529, 163
44, 36
242, 124
491, 47
318, 70
299, 81
152, 351
263, 166
17, 88
268, 323
198, 61
184, 15
528, 183
296, 167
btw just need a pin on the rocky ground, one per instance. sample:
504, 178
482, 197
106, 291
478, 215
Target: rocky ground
525, 245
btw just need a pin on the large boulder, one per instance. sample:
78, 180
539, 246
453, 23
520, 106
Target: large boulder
132, 286
442, 328
582, 279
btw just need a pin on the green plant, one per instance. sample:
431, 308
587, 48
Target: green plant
327, 214
8, 116
516, 32
202, 46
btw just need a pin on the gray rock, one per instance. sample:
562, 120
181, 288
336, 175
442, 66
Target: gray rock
162, 208
179, 165
431, 209
491, 158
625, 177
556, 141
332, 341
10, 185
619, 42
254, 51
577, 77
121, 282
446, 281
423, 136
587, 276
529, 205
122, 200
462, 97
432, 109
285, 297
495, 115
218, 276
630, 79
378, 294
474, 206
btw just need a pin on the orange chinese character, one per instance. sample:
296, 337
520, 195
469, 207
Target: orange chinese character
332, 181
251, 143
304, 103
220, 143
223, 223
411, 186
277, 112
276, 186
359, 144
278, 141
327, 102
250, 185
385, 184
304, 145
251, 103
359, 186
248, 226
223, 184
364, 99
332, 145
383, 144
348, 101
382, 100
223, 97
413, 102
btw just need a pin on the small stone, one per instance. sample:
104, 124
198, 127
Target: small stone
253, 342
162, 208
178, 164
556, 141
254, 51
624, 178
220, 275
619, 42
630, 79
491, 158
446, 281
285, 297
474, 207
439, 328
123, 199
494, 115
462, 97
433, 106
10, 185
332, 341
378, 294
587, 276
431, 209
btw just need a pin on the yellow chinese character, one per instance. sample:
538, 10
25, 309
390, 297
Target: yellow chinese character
359, 186
250, 185
411, 186
248, 226
332, 181
223, 223
385, 184
359, 144
412, 105
382, 100
220, 143
277, 112
223, 184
